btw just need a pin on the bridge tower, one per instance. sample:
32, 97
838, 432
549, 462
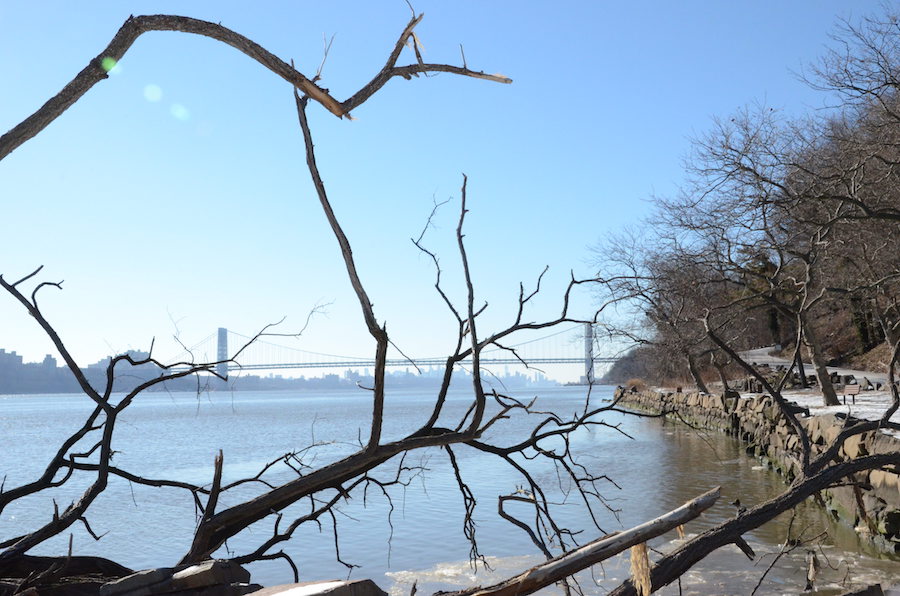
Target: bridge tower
222, 352
588, 353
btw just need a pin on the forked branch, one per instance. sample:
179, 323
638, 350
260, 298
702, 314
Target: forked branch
134, 27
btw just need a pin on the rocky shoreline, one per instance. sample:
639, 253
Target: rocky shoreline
99, 577
871, 505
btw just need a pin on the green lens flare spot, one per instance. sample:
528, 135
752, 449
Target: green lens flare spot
108, 64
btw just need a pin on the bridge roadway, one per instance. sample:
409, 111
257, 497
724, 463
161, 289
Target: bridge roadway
405, 362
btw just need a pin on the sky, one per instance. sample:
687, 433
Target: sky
173, 198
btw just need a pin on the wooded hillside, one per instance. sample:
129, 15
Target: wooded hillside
785, 232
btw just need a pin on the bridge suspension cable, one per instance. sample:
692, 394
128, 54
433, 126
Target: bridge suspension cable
267, 355
190, 350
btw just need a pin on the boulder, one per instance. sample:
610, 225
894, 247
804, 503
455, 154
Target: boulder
874, 506
882, 443
359, 587
167, 580
843, 500
891, 523
210, 573
855, 446
873, 590
825, 428
887, 486
137, 583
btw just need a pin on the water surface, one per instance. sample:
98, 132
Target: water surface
417, 535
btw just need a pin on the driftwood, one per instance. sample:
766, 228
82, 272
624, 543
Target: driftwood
594, 552
26, 565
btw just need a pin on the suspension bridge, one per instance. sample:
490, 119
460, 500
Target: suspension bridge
574, 345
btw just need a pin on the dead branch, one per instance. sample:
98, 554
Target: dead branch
134, 27
377, 332
594, 552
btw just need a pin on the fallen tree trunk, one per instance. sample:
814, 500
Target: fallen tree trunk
594, 552
675, 564
26, 565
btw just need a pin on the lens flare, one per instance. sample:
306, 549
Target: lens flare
180, 112
108, 63
152, 93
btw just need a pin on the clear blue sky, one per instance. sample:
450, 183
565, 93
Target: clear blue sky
177, 189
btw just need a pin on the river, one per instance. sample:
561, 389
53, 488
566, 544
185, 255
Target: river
655, 466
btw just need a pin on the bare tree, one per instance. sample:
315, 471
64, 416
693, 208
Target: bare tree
753, 219
774, 209
654, 291
323, 487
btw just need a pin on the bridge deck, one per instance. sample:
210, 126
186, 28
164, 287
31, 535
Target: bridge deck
404, 362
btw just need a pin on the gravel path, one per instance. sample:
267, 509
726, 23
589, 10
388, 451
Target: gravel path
870, 405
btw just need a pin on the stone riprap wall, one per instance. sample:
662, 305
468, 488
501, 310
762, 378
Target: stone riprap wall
872, 507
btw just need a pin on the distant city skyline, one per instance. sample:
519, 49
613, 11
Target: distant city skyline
46, 377
173, 198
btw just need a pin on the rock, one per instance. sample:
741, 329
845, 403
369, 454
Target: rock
874, 505
882, 479
873, 590
167, 580
887, 486
360, 587
891, 522
137, 583
882, 443
855, 446
221, 590
210, 573
829, 427
843, 500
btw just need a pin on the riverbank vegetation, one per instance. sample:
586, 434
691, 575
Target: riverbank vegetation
786, 233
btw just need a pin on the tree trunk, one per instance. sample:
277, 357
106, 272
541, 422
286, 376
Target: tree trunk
885, 326
801, 370
567, 564
774, 325
720, 368
860, 317
698, 380
818, 360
